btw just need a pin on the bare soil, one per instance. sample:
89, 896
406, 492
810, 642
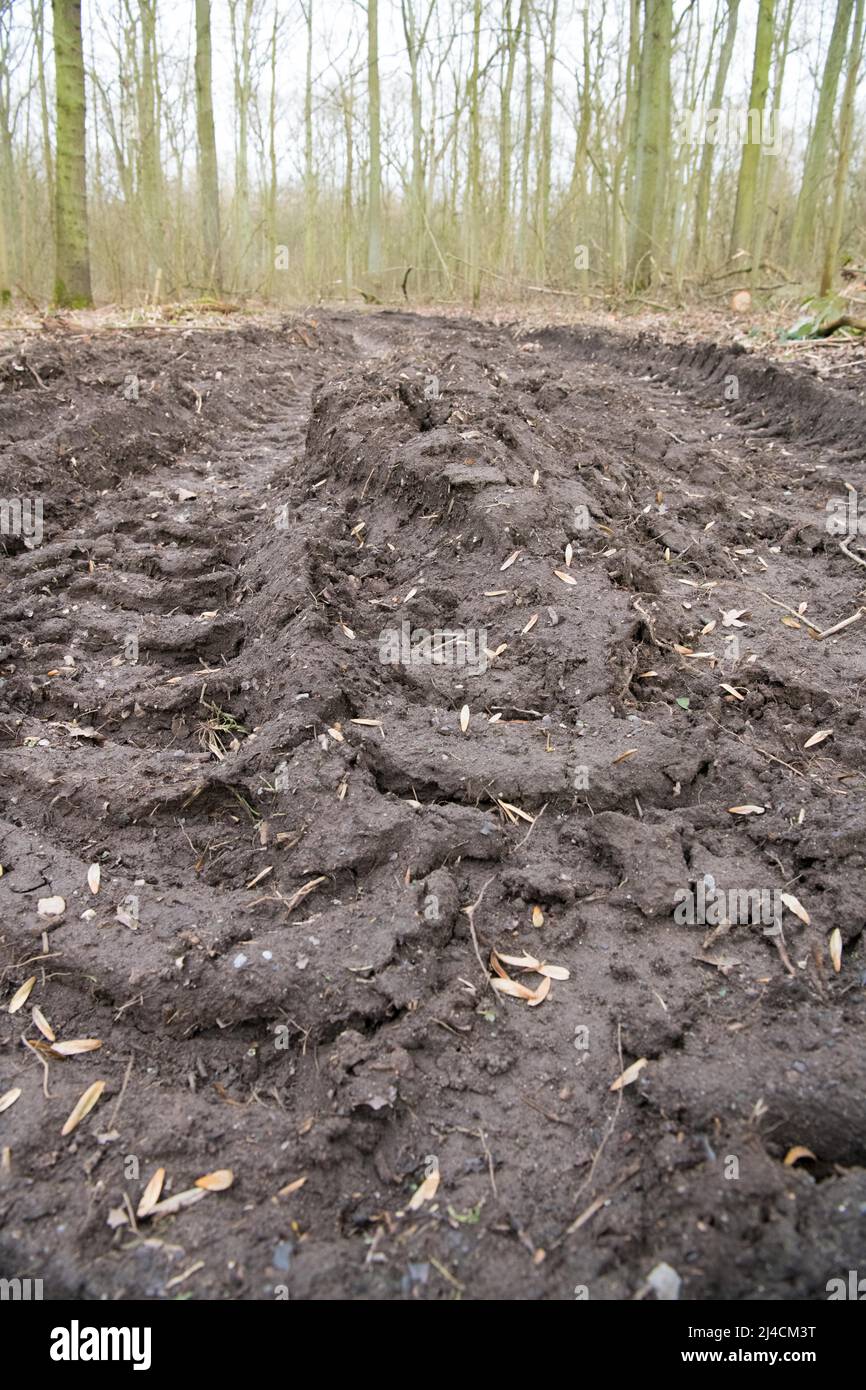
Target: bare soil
204, 493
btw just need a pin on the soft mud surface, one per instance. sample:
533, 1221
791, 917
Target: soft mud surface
273, 500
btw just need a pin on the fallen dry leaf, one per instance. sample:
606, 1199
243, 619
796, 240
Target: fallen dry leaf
746, 810
835, 945
83, 1107
540, 994
817, 738
629, 1075
9, 1098
21, 995
42, 1024
509, 562
464, 718
75, 1046
218, 1181
565, 576
530, 625
537, 916
426, 1191
94, 874
151, 1194
629, 753
794, 905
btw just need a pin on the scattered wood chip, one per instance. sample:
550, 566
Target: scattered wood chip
259, 876
218, 1181
817, 738
172, 1205
151, 1194
794, 905
21, 995
94, 874
51, 907
303, 891
291, 1187
426, 1191
629, 1075
83, 1107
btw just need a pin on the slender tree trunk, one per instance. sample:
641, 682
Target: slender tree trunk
150, 170
310, 238
526, 146
504, 238
653, 138
705, 170
375, 260
546, 141
743, 231
846, 133
72, 260
770, 164
209, 199
474, 179
817, 153
38, 20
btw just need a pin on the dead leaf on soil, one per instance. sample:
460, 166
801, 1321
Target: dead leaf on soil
817, 738
83, 1107
540, 994
94, 874
151, 1194
565, 576
426, 1191
794, 905
21, 995
835, 946
509, 562
75, 1046
629, 1075
42, 1024
464, 718
218, 1181
746, 810
537, 916
9, 1098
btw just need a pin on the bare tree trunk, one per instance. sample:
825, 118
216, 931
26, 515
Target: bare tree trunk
846, 134
209, 199
375, 261
817, 154
705, 171
743, 231
653, 138
72, 259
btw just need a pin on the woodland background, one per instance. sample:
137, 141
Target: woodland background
304, 150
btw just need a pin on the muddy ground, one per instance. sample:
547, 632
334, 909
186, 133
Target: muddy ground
278, 962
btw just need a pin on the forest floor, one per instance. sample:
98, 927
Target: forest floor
276, 953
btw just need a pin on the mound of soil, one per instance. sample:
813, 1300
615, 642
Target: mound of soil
355, 650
